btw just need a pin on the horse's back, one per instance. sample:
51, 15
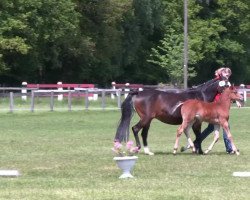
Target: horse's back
158, 104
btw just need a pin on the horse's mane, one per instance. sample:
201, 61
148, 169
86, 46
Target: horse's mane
193, 88
204, 84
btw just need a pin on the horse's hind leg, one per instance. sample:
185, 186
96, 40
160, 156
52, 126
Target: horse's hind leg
144, 125
136, 128
144, 135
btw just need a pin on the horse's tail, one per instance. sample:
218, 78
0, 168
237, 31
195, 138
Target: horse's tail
127, 110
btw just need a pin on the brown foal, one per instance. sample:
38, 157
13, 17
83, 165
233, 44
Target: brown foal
216, 113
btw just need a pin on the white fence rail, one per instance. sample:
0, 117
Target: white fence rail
69, 94
13, 93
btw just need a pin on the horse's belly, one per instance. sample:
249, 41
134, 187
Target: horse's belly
170, 120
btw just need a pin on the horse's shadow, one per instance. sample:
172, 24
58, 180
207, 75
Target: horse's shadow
161, 153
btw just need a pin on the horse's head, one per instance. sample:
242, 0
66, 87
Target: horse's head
232, 93
210, 88
222, 85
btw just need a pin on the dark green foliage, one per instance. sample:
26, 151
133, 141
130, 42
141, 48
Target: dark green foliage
111, 40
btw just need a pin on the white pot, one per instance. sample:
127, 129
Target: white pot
126, 164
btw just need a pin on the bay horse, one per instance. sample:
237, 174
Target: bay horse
216, 113
162, 105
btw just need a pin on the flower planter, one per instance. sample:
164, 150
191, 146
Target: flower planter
126, 164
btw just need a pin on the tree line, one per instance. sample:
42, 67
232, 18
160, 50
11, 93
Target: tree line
136, 41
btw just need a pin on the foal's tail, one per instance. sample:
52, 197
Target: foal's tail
127, 110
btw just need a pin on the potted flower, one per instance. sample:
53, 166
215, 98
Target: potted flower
125, 157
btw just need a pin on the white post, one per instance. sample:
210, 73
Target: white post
113, 87
24, 91
95, 96
126, 90
242, 87
60, 96
90, 96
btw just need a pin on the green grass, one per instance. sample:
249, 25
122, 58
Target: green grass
67, 155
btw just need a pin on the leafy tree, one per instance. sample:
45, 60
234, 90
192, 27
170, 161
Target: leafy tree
11, 41
111, 40
101, 22
33, 32
169, 55
143, 26
226, 37
216, 31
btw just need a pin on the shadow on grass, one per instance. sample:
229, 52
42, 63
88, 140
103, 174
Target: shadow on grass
170, 153
192, 154
188, 153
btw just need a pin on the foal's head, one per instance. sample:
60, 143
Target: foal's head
232, 94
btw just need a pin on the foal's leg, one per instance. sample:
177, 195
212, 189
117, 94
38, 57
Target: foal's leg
197, 142
180, 130
191, 144
229, 135
216, 138
178, 134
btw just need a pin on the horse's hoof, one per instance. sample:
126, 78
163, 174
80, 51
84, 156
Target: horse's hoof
200, 152
206, 152
149, 153
174, 152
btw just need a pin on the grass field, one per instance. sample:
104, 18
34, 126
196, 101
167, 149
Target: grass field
67, 155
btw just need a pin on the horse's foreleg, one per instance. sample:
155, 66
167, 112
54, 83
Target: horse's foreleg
216, 138
197, 131
229, 135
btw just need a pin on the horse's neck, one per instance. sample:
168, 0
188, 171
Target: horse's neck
210, 91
